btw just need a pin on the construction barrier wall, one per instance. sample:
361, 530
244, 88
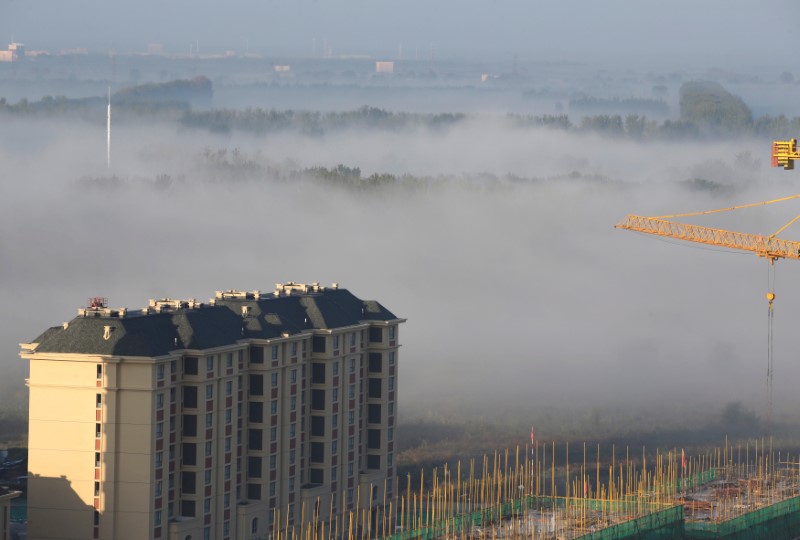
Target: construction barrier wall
779, 521
654, 522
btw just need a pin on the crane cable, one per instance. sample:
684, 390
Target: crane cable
770, 348
718, 210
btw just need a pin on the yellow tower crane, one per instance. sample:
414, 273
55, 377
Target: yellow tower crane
772, 248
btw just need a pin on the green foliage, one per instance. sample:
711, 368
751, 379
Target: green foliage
710, 106
196, 90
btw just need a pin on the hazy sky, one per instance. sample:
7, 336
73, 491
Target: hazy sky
719, 31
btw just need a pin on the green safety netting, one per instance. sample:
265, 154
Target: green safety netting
776, 521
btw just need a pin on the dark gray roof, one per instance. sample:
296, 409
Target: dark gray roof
211, 326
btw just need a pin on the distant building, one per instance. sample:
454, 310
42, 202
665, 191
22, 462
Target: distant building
384, 67
5, 512
15, 53
207, 421
285, 68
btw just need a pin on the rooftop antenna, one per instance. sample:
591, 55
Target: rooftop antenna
108, 131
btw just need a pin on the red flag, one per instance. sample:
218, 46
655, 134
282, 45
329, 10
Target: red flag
683, 459
585, 487
533, 436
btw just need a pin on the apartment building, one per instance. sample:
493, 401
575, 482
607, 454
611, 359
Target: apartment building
229, 419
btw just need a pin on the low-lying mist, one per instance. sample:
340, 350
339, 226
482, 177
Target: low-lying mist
496, 243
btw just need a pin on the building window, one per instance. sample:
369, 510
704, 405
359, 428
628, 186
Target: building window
98, 401
229, 360
159, 459
351, 418
292, 429
352, 365
353, 339
375, 334
207, 506
335, 342
389, 460
391, 358
254, 466
272, 489
317, 452
208, 477
97, 459
190, 425
273, 434
256, 412
226, 500
157, 518
334, 447
159, 430
317, 400
159, 401
228, 388
228, 415
159, 372
171, 481
207, 533
210, 363
318, 373
351, 391
374, 439
390, 434
350, 495
317, 476
292, 403
373, 462
226, 474
254, 526
317, 426
391, 332
209, 391
208, 448
291, 485
274, 380
291, 457
336, 368
374, 388
255, 439
293, 376
97, 430
334, 421
190, 365
226, 529
254, 492
256, 385
374, 413
273, 407
375, 361
349, 469
209, 419
256, 355
189, 397
294, 348
391, 408
274, 352
391, 383
189, 452
97, 489
172, 395
173, 367
188, 482
333, 474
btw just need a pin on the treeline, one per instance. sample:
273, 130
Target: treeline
263, 121
707, 110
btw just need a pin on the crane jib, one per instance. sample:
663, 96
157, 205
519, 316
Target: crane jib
764, 246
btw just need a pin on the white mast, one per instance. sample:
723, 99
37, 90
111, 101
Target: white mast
108, 131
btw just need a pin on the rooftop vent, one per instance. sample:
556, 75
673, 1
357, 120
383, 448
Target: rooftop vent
233, 294
291, 287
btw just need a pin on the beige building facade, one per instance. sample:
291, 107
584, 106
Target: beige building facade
219, 420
